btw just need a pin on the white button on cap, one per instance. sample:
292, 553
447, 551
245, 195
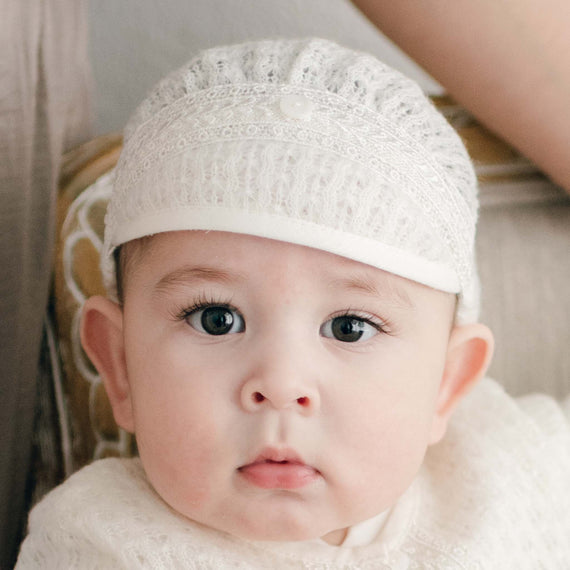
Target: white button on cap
296, 106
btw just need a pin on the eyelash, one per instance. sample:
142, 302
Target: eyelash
205, 301
382, 326
202, 302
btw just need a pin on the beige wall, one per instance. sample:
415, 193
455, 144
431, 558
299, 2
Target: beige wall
133, 43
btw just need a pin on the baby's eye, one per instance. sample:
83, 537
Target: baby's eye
216, 320
349, 328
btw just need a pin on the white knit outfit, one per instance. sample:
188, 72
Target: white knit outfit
493, 495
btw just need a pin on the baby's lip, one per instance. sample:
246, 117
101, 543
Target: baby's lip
278, 468
277, 455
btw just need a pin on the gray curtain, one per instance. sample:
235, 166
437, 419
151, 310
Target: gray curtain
44, 86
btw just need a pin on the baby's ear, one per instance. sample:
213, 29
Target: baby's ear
102, 339
469, 353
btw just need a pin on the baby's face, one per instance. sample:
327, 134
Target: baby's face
279, 392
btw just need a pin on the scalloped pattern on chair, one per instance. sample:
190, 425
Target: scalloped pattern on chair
86, 186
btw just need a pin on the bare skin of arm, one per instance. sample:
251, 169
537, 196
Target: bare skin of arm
507, 61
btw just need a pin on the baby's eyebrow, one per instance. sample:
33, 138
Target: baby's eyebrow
369, 286
190, 273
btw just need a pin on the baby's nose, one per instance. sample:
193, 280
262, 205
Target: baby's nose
258, 394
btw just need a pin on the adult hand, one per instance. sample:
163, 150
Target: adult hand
507, 61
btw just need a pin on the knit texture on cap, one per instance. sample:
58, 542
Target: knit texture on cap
305, 142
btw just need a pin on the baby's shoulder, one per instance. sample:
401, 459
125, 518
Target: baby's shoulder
87, 520
537, 416
104, 484
496, 486
493, 431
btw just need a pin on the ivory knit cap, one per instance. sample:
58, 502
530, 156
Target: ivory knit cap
306, 142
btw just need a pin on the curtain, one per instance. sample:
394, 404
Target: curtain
44, 109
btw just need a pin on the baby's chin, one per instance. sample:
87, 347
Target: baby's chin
276, 531
290, 535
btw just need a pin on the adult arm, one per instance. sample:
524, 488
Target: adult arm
507, 61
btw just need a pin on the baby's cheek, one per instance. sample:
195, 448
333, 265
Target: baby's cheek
387, 440
181, 465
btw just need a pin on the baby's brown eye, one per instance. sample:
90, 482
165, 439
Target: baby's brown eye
216, 320
348, 328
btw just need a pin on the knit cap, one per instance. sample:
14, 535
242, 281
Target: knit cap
306, 142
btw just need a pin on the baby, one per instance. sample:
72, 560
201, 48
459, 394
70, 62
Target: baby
292, 323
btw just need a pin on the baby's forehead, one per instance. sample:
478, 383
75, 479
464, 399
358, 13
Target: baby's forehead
241, 257
238, 249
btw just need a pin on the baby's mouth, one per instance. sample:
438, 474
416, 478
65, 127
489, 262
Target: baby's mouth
278, 469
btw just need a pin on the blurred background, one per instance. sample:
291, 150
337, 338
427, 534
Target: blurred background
133, 43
